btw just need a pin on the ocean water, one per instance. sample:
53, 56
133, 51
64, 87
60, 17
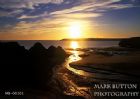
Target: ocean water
70, 44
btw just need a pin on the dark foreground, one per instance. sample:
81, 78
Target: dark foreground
40, 73
28, 74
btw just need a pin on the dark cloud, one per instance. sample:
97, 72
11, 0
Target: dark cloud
25, 3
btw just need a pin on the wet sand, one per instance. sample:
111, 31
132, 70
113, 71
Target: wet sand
128, 64
99, 68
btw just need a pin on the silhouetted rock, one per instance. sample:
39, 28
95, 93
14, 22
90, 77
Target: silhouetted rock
28, 68
130, 42
51, 51
33, 68
12, 63
60, 52
38, 47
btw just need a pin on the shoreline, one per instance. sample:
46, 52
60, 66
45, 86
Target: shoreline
126, 64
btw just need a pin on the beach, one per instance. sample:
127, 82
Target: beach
102, 72
74, 73
123, 63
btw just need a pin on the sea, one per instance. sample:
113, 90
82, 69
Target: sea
69, 44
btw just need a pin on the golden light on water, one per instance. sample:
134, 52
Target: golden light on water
73, 58
72, 87
74, 45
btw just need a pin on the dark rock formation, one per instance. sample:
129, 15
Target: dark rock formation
12, 63
31, 68
130, 43
22, 69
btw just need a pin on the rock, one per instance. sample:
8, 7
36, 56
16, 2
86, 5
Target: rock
130, 43
31, 68
13, 63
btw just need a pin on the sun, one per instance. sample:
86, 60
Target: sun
75, 30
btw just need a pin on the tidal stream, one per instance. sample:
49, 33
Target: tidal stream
66, 74
80, 81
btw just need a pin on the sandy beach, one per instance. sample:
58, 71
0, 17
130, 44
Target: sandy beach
128, 63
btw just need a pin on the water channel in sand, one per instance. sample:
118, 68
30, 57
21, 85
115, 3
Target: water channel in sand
65, 73
70, 76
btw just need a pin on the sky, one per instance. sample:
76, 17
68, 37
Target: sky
58, 19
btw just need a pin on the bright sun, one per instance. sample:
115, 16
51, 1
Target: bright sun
75, 30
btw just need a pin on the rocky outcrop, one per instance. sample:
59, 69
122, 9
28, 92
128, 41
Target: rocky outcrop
130, 42
28, 68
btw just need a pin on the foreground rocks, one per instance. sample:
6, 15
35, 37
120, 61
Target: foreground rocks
133, 42
28, 68
31, 71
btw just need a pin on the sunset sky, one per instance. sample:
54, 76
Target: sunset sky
58, 19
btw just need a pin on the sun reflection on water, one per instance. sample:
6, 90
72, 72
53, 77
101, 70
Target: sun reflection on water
71, 87
75, 54
74, 57
74, 45
74, 89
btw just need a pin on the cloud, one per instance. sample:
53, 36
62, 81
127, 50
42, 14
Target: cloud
45, 14
48, 25
92, 6
77, 6
26, 3
78, 15
62, 11
12, 13
4, 13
